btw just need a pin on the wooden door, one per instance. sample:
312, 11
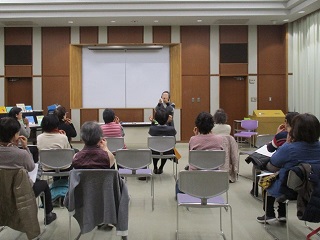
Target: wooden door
195, 99
18, 90
233, 98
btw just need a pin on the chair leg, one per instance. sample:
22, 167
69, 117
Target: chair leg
177, 230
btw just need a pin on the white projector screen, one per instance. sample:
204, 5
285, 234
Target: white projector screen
124, 79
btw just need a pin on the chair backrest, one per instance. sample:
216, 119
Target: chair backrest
263, 139
134, 158
207, 159
115, 143
56, 158
249, 125
204, 183
161, 143
293, 180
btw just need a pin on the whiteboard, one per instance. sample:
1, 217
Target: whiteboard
124, 79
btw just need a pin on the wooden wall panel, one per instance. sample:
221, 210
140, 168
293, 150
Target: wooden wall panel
233, 69
273, 86
161, 34
129, 115
18, 36
233, 34
175, 75
125, 34
194, 87
271, 50
55, 89
195, 50
55, 51
88, 115
89, 35
18, 71
19, 91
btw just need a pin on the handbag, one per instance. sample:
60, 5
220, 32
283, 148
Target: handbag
266, 181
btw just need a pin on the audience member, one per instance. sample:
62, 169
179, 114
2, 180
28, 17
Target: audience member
165, 104
12, 157
16, 113
203, 138
162, 129
220, 123
112, 126
281, 136
302, 146
52, 137
65, 123
95, 153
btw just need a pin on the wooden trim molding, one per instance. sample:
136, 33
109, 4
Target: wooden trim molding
175, 75
75, 76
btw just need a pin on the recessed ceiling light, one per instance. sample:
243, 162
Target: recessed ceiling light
156, 21
301, 12
199, 20
113, 21
286, 20
70, 22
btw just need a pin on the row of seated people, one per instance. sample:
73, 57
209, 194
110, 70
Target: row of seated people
95, 153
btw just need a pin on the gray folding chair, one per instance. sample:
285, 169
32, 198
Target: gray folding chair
57, 160
204, 189
207, 159
115, 143
135, 164
163, 144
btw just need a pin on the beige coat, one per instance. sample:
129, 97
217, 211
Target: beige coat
18, 208
232, 157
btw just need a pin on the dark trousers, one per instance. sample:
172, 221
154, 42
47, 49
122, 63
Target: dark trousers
270, 207
42, 186
155, 162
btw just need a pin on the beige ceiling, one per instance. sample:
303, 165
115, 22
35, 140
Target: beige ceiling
152, 13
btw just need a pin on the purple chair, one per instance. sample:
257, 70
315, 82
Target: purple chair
249, 127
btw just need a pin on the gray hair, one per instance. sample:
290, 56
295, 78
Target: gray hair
91, 133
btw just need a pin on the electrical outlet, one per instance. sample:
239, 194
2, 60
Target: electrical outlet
253, 99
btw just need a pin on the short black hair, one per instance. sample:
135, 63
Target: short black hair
166, 92
14, 112
49, 123
305, 128
220, 117
161, 116
290, 116
8, 128
91, 133
108, 115
60, 111
204, 122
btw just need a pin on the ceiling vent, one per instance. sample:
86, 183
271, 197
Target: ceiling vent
231, 21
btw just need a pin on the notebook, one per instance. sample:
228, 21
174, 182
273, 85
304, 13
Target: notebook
3, 109
28, 108
39, 119
30, 119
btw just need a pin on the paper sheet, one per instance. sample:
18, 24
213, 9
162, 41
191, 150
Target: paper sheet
34, 172
264, 151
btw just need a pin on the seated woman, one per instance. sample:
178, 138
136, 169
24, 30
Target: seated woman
220, 123
203, 138
16, 113
13, 157
65, 123
52, 137
162, 129
281, 136
302, 146
95, 154
112, 126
